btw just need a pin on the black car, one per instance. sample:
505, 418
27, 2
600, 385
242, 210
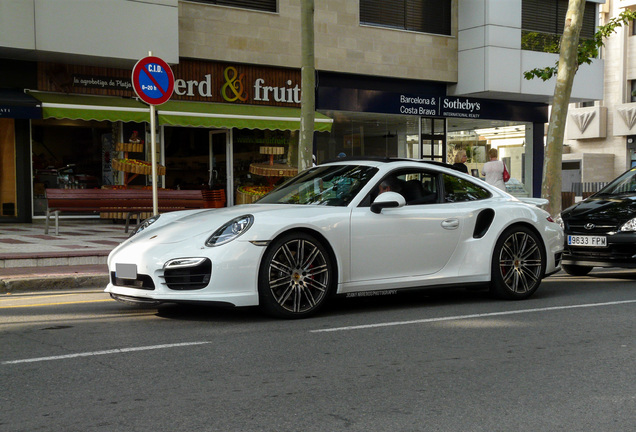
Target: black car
601, 230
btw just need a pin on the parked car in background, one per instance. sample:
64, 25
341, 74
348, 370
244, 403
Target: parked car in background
350, 228
600, 231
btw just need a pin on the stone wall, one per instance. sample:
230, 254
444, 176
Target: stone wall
341, 43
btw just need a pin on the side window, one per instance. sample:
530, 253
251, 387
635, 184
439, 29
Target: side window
417, 187
459, 190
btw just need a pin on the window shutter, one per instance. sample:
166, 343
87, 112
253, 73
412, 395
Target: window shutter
261, 5
426, 16
388, 13
548, 16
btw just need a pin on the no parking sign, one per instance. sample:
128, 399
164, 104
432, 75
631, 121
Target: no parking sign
153, 80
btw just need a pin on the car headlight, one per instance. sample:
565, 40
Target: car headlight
230, 230
144, 224
559, 220
629, 226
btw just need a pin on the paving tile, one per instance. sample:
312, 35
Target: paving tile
13, 241
41, 236
105, 242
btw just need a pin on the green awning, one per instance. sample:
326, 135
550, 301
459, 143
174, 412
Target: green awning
100, 108
214, 115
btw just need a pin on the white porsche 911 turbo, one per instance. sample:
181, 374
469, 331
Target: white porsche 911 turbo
351, 227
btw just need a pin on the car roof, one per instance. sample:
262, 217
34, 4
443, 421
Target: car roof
385, 160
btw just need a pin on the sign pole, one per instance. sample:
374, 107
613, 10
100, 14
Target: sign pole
153, 160
153, 157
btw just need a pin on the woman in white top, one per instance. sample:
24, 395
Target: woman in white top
493, 170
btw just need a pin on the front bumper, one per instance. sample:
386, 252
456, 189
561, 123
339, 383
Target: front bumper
620, 252
226, 275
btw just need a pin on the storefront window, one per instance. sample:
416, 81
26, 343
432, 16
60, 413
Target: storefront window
70, 155
187, 158
476, 137
366, 134
262, 160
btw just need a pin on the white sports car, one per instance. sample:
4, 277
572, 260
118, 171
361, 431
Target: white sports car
351, 227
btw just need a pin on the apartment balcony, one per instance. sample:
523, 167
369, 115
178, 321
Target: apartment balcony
491, 60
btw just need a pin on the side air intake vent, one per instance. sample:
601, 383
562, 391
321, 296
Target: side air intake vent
484, 219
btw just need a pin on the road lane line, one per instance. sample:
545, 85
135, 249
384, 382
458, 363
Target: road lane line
97, 353
471, 316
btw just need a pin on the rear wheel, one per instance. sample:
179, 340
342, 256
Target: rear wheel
518, 264
296, 276
576, 270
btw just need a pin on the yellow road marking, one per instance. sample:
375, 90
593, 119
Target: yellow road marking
16, 296
55, 304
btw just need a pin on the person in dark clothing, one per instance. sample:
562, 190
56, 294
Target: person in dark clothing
460, 161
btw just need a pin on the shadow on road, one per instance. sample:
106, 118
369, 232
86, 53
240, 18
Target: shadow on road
559, 285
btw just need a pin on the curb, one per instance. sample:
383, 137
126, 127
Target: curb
50, 259
53, 282
53, 278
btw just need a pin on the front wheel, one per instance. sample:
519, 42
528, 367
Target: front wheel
576, 270
518, 264
296, 276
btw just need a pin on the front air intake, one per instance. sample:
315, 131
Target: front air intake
188, 277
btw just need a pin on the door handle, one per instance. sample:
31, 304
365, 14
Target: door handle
450, 224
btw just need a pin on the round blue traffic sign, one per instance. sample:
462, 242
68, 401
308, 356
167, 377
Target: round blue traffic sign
153, 80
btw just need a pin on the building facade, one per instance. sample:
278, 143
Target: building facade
600, 140
443, 76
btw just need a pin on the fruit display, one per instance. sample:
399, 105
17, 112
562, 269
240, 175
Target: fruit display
136, 166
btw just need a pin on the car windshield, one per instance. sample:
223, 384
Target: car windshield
333, 185
625, 184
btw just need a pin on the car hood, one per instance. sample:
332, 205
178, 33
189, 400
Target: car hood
616, 209
181, 226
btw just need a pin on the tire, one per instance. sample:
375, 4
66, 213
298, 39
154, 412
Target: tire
296, 276
576, 270
518, 264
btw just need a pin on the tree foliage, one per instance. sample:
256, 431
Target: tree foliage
588, 49
573, 53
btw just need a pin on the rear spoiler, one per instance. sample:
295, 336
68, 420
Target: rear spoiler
539, 202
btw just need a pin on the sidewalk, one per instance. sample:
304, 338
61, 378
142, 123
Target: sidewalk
32, 261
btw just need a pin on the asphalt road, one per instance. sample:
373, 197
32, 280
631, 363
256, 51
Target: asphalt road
564, 360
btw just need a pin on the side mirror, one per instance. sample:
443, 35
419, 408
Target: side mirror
387, 200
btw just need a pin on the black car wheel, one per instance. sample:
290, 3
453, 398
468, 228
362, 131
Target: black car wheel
576, 270
518, 264
296, 276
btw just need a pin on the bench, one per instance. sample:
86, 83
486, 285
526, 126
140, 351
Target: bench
129, 201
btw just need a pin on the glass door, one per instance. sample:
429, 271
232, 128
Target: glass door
433, 139
220, 163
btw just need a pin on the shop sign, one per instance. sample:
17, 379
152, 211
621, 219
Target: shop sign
440, 106
469, 108
236, 86
102, 82
20, 112
202, 81
431, 105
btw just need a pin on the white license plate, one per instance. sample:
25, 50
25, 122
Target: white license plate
587, 240
126, 271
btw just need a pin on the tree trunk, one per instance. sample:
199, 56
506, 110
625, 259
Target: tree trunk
308, 85
568, 65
